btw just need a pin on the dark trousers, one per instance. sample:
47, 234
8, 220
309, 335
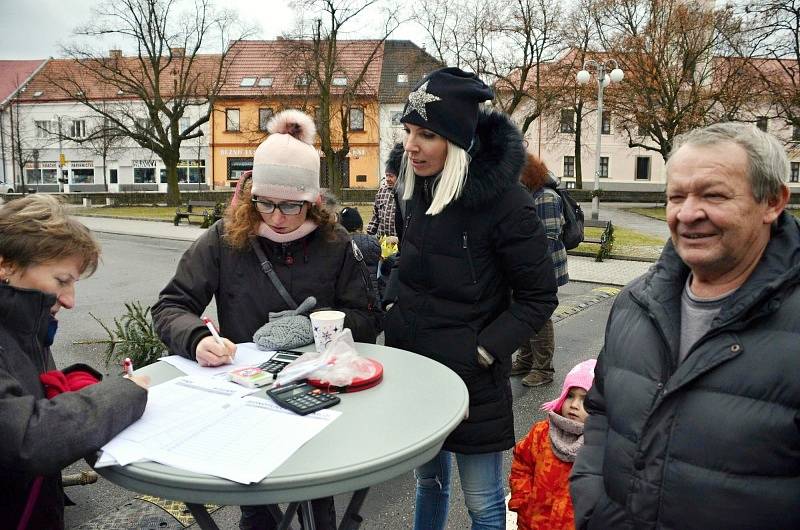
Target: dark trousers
259, 518
537, 353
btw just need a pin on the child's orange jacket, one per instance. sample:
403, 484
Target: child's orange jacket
540, 484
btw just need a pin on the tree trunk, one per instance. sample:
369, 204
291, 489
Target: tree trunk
173, 193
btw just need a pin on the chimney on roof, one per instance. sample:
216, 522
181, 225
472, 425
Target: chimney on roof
279, 37
177, 52
115, 54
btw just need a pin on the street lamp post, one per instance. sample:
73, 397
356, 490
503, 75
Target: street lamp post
603, 80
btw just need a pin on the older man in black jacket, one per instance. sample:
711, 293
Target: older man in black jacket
695, 410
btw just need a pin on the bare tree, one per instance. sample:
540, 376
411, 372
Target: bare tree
152, 90
775, 41
668, 50
337, 70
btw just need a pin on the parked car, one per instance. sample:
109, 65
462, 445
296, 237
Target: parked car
6, 187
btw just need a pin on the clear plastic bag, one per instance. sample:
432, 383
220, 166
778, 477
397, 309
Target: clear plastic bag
338, 365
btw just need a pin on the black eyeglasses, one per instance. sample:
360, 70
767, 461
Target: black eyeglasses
286, 208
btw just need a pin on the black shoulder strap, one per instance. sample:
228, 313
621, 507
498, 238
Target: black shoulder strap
266, 266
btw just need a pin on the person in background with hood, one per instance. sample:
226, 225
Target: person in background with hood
474, 280
49, 418
280, 216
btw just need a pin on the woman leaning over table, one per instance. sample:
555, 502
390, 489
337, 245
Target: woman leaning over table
475, 279
280, 213
48, 418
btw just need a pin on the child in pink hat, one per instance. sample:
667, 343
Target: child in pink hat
542, 462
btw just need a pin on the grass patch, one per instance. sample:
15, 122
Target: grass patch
167, 213
661, 213
655, 213
159, 213
627, 242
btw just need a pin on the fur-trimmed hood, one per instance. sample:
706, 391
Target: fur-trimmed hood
497, 159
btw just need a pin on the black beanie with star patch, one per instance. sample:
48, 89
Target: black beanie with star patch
446, 102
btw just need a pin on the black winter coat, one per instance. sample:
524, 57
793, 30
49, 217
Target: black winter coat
456, 275
715, 441
39, 437
321, 264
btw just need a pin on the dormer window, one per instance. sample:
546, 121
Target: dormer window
402, 78
248, 81
302, 80
265, 82
339, 81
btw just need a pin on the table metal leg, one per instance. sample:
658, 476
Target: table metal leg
286, 520
351, 520
308, 516
202, 517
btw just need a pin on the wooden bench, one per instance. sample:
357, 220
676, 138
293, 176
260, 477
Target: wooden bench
209, 211
606, 239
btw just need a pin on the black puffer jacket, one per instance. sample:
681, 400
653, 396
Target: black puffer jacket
715, 441
456, 276
39, 437
321, 264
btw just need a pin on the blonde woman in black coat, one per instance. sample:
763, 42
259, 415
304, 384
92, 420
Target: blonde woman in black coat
475, 278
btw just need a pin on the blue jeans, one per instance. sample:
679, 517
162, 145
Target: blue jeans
481, 481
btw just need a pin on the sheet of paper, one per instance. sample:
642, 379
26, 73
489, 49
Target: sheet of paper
205, 425
247, 354
250, 441
181, 403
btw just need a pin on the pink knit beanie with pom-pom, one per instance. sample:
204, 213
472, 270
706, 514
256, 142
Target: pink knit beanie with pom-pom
286, 164
581, 376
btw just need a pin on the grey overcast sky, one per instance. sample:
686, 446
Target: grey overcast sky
34, 29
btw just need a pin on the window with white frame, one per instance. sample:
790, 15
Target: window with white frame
265, 82
44, 128
231, 119
183, 124
395, 117
402, 78
264, 115
339, 81
604, 167
642, 168
143, 124
605, 126
77, 129
192, 171
569, 166
795, 174
144, 175
248, 81
567, 124
356, 119
301, 80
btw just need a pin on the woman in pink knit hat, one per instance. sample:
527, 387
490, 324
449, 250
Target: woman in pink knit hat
543, 459
276, 227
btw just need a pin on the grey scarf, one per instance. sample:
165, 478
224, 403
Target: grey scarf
566, 436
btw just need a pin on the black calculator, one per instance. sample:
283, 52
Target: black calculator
302, 398
279, 361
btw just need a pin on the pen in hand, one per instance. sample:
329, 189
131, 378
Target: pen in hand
215, 334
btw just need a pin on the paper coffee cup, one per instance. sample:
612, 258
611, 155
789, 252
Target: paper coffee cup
326, 324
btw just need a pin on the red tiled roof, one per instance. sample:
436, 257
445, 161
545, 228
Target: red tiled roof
282, 60
13, 75
48, 82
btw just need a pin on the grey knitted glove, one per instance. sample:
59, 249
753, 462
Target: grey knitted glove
287, 329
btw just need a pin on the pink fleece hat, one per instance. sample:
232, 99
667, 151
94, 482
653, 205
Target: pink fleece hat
581, 376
